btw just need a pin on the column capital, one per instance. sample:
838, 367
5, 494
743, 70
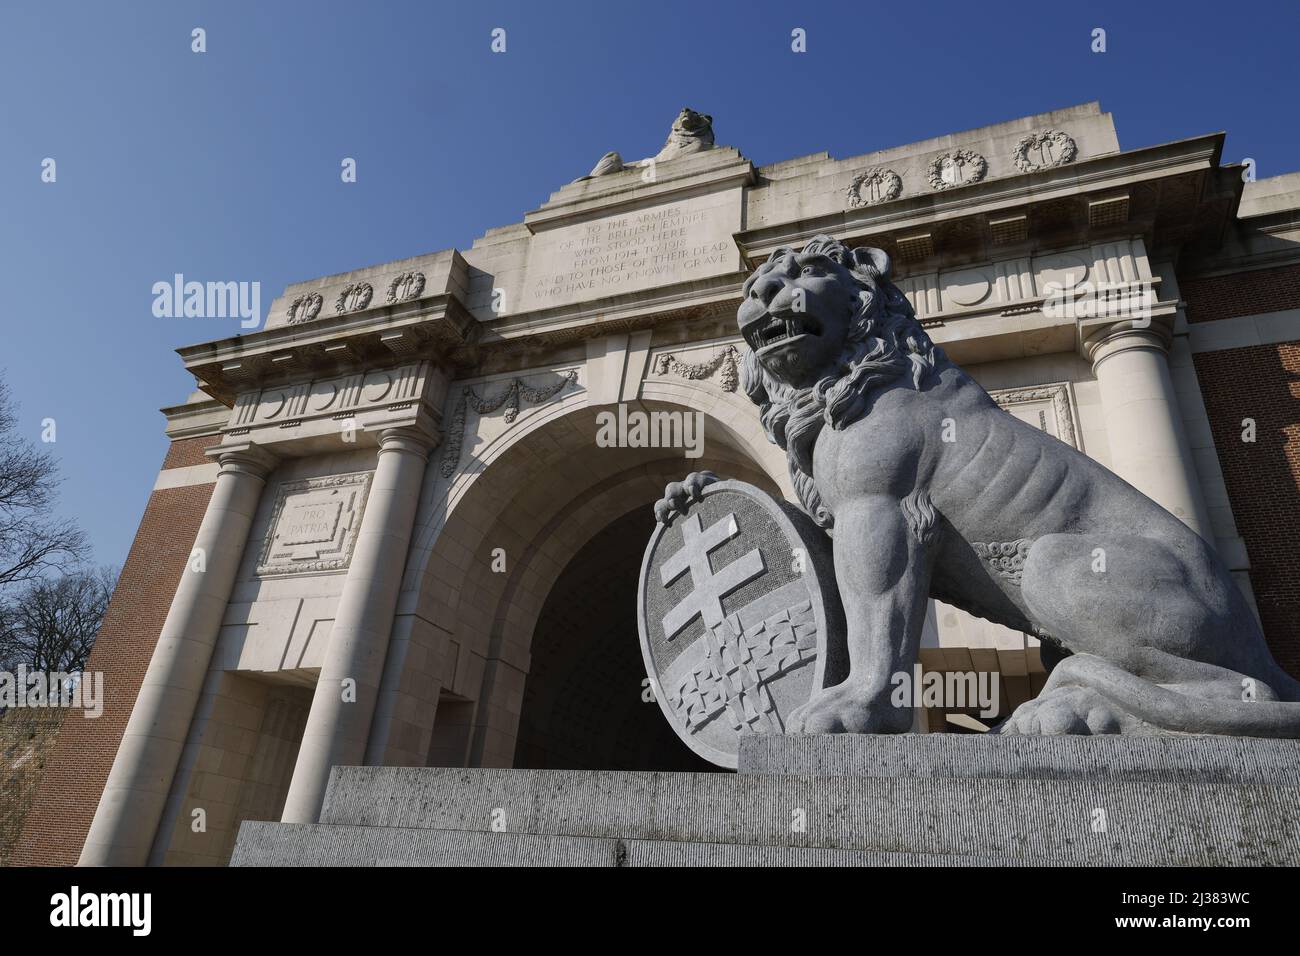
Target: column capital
246, 458
408, 439
1123, 336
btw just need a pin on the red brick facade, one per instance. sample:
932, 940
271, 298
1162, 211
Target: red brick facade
1260, 383
1241, 293
56, 827
187, 452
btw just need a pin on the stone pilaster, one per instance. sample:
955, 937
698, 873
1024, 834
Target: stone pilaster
132, 803
348, 689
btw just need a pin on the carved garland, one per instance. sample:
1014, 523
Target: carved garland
305, 308
1048, 143
725, 360
354, 297
509, 397
874, 186
405, 287
973, 164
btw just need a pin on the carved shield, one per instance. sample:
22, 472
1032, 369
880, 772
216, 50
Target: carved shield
736, 606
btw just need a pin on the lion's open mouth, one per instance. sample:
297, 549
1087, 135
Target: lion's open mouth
781, 328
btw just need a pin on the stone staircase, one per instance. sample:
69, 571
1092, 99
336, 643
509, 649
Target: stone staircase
933, 799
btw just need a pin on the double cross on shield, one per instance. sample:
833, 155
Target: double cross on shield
732, 618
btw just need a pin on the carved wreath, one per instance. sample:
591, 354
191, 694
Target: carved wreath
405, 287
971, 163
305, 308
1052, 147
874, 186
509, 397
354, 297
725, 360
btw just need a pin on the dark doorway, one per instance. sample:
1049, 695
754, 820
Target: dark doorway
583, 703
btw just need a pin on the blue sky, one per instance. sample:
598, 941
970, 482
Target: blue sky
225, 165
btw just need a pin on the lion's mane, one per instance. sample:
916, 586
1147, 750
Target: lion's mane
884, 344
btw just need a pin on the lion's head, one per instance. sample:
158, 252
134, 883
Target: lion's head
691, 133
826, 329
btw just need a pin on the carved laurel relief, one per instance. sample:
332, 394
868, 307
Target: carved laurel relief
354, 297
960, 167
405, 287
509, 397
1043, 150
305, 308
873, 186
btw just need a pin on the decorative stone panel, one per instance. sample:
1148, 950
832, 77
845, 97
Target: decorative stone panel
1044, 406
314, 524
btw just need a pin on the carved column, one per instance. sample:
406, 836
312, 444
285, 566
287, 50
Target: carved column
1148, 444
351, 673
132, 803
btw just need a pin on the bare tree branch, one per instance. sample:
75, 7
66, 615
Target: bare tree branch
32, 541
51, 624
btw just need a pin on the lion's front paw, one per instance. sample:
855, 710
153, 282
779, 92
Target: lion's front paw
678, 495
847, 709
1067, 710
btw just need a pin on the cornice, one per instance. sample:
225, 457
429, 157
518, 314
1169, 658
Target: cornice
1098, 176
338, 343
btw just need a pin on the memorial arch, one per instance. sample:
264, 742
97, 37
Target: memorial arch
415, 540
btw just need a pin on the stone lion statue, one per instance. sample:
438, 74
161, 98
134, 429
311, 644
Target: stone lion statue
692, 132
928, 488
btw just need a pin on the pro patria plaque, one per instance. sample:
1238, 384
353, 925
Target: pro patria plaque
314, 525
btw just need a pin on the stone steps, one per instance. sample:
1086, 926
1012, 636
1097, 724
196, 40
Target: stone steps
862, 801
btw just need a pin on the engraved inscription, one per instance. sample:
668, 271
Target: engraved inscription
314, 524
638, 250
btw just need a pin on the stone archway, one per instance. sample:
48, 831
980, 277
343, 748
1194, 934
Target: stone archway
534, 507
584, 703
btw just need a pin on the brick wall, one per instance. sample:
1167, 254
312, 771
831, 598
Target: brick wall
1241, 293
1262, 383
83, 752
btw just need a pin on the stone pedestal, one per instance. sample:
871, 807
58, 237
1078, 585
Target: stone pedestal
938, 799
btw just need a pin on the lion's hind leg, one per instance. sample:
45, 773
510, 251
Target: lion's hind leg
1160, 694
1156, 650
